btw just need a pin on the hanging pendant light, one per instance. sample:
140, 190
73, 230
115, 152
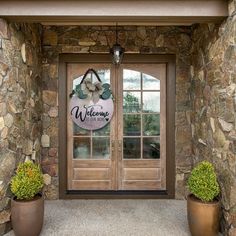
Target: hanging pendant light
117, 51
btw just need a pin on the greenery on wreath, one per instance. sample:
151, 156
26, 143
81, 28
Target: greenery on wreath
28, 181
203, 183
93, 91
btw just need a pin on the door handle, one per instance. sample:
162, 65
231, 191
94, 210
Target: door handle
113, 145
120, 145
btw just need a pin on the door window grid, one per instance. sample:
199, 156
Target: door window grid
141, 137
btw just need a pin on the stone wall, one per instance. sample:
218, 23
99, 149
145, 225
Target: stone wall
205, 97
20, 104
91, 39
213, 96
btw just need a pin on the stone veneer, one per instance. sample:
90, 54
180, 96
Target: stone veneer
98, 39
20, 104
205, 97
213, 98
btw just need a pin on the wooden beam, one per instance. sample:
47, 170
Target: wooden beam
104, 11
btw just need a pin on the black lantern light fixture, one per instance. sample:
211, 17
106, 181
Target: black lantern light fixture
117, 51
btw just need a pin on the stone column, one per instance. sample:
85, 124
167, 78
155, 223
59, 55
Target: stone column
213, 94
20, 104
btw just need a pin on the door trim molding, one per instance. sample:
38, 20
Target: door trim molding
169, 60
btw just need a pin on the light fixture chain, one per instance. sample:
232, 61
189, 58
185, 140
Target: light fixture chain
116, 34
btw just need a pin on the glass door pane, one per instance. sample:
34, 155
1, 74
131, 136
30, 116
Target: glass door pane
141, 115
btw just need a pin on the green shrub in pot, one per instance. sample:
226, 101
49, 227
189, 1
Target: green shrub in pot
203, 183
27, 205
203, 206
27, 182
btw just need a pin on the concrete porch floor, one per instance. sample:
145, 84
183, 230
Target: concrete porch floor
115, 218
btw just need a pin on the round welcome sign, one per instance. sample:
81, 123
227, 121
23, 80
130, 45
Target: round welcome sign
90, 116
91, 105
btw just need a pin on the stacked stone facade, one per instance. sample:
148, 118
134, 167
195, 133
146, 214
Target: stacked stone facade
20, 103
205, 118
213, 99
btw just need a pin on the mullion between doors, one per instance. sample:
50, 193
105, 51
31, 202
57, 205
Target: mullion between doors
141, 130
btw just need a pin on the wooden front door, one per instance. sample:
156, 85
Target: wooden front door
130, 152
141, 127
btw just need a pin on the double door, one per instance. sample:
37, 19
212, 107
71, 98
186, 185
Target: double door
130, 152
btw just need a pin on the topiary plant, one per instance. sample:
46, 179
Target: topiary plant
28, 181
203, 183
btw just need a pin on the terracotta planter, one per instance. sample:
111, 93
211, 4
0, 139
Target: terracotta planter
203, 218
27, 216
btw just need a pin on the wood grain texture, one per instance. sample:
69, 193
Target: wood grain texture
91, 174
142, 174
141, 163
91, 185
91, 163
141, 185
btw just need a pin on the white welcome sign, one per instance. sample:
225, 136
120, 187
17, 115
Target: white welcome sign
89, 115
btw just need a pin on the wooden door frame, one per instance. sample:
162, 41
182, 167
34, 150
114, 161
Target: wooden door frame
169, 60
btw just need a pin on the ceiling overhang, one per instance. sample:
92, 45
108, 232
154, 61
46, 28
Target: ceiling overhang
109, 12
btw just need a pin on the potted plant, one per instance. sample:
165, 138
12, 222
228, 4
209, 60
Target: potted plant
27, 205
203, 207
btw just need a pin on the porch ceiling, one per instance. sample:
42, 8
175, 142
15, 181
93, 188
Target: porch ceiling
109, 12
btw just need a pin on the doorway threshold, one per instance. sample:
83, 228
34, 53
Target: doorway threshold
120, 194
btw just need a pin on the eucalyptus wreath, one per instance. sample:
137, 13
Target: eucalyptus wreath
92, 91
